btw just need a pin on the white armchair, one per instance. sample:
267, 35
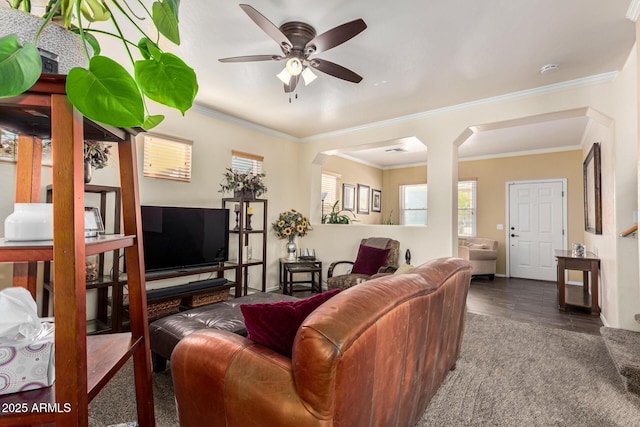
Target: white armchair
481, 253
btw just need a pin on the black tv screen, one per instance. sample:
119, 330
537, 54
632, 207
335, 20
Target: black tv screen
176, 238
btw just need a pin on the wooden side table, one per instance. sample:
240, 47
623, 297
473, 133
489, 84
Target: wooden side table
589, 264
290, 267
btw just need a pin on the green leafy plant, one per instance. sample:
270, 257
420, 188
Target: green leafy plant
337, 217
105, 91
291, 223
233, 181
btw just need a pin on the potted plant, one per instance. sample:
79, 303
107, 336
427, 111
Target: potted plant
105, 91
245, 184
336, 216
289, 225
96, 155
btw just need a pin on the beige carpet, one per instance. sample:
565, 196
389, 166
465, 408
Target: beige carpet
509, 374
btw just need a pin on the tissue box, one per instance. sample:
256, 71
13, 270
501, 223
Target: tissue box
26, 366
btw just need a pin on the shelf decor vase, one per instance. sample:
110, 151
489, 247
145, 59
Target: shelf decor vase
245, 194
88, 171
291, 248
29, 221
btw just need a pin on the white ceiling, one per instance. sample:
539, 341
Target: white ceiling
415, 56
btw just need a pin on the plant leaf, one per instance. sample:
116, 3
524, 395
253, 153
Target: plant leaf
166, 21
174, 5
152, 121
93, 42
106, 93
20, 66
168, 81
143, 47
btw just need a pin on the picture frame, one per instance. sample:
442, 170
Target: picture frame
376, 200
93, 225
592, 182
363, 199
348, 197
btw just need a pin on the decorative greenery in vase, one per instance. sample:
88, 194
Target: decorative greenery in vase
336, 216
234, 181
105, 91
96, 153
290, 224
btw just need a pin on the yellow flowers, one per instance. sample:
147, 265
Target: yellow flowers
291, 223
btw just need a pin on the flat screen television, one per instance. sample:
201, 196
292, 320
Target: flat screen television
177, 238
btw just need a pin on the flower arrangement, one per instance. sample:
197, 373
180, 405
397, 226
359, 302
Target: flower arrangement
291, 223
234, 181
96, 153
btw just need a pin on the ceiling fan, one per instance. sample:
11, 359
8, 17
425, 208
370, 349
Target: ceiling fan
298, 41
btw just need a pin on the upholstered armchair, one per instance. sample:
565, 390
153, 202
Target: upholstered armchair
375, 255
481, 253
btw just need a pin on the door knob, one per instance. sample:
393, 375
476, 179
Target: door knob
515, 235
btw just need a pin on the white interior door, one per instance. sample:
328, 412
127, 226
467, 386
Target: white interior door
536, 228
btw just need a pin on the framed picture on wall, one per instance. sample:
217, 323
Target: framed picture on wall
592, 191
376, 200
363, 199
348, 197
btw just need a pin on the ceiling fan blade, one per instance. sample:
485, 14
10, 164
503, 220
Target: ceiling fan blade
251, 58
335, 70
336, 36
293, 83
267, 26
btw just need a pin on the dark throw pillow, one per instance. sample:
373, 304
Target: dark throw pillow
369, 260
275, 325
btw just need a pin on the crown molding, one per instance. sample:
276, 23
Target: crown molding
242, 122
633, 12
586, 81
521, 153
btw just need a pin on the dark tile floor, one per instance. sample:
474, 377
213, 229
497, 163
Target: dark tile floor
529, 301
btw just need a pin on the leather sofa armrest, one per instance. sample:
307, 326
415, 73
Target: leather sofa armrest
334, 265
216, 390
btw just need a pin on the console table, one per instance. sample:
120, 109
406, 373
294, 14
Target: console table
589, 264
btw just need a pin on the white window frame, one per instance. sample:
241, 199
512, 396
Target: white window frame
403, 210
471, 209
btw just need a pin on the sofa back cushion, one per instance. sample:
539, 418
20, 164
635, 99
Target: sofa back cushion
383, 346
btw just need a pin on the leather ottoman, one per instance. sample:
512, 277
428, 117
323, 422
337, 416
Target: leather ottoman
165, 333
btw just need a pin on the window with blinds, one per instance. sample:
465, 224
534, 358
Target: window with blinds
167, 158
329, 189
246, 162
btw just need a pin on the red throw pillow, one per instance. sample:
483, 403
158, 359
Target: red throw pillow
275, 325
369, 260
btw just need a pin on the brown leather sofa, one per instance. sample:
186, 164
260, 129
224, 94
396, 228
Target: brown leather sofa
373, 355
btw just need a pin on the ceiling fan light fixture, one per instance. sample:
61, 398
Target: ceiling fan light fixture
284, 76
294, 66
308, 76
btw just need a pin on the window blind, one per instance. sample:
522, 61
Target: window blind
167, 158
246, 162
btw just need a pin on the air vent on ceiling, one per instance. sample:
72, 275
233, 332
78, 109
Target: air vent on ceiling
396, 150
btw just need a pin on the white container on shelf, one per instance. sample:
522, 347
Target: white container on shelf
29, 221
